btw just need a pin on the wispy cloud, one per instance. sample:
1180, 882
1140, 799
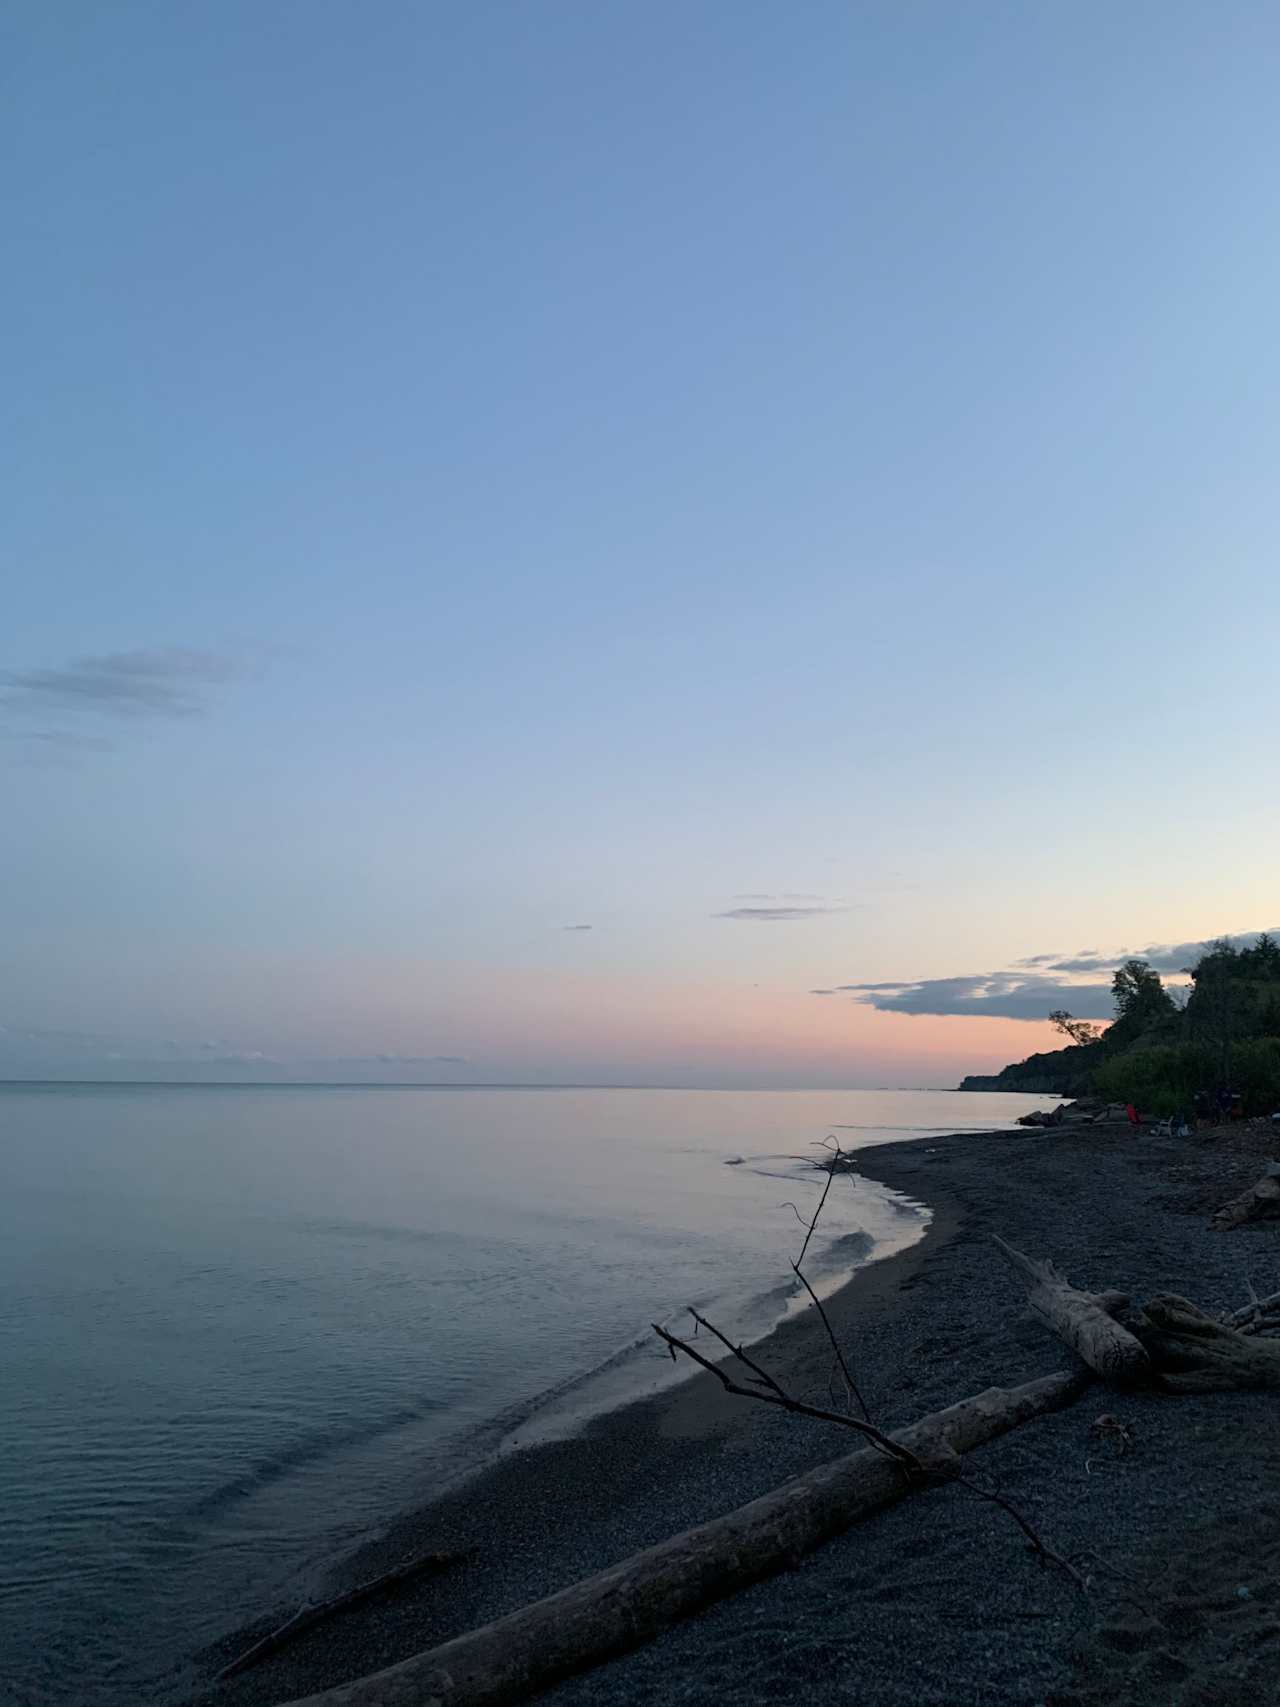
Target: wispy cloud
90, 1046
60, 740
389, 1059
575, 927
61, 1048
163, 681
774, 915
784, 895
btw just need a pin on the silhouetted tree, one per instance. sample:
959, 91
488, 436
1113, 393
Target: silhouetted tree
1080, 1031
1142, 1003
1219, 1010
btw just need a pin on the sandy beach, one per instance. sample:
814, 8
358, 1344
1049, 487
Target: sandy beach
936, 1600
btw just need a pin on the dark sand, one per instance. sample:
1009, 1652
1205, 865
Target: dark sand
936, 1600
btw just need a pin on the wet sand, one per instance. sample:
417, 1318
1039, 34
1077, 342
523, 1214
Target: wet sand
938, 1599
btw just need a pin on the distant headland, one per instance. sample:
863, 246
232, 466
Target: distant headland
1164, 1050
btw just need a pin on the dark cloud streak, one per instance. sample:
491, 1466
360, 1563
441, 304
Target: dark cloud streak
1041, 983
164, 682
991, 995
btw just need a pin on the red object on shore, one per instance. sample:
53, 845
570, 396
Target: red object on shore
1132, 1112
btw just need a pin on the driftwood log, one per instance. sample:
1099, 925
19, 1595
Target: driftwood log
1195, 1354
1179, 1347
1260, 1201
623, 1606
1082, 1319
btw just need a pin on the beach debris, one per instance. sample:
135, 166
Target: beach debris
1258, 1316
1108, 1427
1085, 1111
316, 1610
1175, 1345
1193, 1353
1081, 1319
1261, 1202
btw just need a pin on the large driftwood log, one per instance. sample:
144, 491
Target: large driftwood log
1260, 1201
627, 1604
1195, 1354
1081, 1319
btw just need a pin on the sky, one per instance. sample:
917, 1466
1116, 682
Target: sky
616, 543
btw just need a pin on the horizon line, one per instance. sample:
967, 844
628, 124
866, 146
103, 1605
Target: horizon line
444, 1085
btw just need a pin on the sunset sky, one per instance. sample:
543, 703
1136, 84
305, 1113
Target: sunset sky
538, 537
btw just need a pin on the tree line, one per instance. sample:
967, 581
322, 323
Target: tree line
1163, 1051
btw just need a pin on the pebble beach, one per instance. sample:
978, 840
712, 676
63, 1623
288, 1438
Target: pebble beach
937, 1599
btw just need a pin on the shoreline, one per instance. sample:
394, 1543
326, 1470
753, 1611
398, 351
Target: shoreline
926, 1326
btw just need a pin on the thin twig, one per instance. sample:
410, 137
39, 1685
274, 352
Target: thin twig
831, 1174
776, 1396
1045, 1553
761, 1374
850, 1384
835, 1343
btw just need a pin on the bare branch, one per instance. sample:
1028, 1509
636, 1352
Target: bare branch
774, 1395
911, 1465
831, 1174
1046, 1554
761, 1374
849, 1382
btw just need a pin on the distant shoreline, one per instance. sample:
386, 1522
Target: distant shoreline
459, 1085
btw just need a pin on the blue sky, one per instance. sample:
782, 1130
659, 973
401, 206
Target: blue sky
517, 466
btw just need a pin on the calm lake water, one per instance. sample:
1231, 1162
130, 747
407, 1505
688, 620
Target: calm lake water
242, 1328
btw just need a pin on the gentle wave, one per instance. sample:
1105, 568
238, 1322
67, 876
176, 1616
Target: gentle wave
305, 1452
